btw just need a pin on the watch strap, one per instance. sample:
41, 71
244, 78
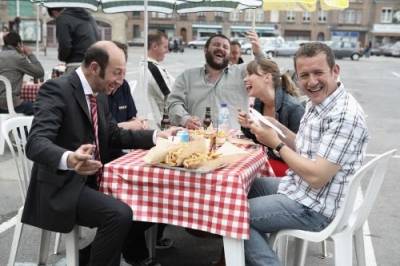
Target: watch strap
279, 147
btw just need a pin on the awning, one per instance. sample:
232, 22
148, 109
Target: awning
206, 26
238, 28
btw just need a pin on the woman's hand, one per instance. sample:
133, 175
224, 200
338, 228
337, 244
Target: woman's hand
244, 119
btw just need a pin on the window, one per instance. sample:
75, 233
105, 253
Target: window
136, 13
234, 16
306, 17
274, 16
350, 16
290, 16
248, 15
259, 15
386, 15
322, 16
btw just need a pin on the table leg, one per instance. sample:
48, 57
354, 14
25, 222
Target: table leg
234, 251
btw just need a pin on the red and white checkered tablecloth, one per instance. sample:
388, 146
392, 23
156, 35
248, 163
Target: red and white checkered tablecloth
215, 202
29, 91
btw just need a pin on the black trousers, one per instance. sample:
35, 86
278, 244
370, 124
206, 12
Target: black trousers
113, 220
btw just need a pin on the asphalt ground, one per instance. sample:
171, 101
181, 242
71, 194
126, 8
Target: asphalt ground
374, 81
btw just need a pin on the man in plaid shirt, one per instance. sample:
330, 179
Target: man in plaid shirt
327, 150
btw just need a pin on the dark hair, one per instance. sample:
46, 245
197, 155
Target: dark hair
123, 47
99, 55
234, 42
312, 49
51, 9
12, 38
215, 36
265, 66
155, 37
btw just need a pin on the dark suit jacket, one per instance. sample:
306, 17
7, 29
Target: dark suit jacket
61, 123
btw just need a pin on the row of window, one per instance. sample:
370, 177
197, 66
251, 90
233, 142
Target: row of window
348, 16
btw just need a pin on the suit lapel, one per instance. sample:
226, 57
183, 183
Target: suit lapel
80, 95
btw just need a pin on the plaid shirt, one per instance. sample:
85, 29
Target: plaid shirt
336, 131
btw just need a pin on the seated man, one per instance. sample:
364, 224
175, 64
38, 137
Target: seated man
69, 142
329, 147
16, 60
210, 85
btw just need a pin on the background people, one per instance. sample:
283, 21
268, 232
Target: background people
236, 53
76, 30
16, 60
210, 85
328, 148
275, 96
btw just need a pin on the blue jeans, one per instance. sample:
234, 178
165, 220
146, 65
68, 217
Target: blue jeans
271, 212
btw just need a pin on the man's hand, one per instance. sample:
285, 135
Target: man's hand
81, 160
255, 42
26, 50
265, 135
193, 123
169, 132
134, 124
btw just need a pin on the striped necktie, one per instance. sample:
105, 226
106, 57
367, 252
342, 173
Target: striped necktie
93, 113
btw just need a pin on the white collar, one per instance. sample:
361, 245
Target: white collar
87, 89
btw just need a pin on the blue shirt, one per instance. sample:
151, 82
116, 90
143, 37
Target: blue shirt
121, 104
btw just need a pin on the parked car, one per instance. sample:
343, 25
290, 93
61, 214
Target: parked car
287, 49
198, 43
346, 49
394, 50
269, 44
246, 48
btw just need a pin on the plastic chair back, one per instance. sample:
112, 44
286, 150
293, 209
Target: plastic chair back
10, 103
355, 216
18, 128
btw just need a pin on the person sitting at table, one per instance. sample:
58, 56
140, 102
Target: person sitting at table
275, 96
328, 148
69, 142
208, 86
16, 60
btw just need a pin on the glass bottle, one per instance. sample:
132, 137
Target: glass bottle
165, 122
207, 118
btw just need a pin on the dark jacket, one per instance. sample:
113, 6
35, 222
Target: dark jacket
62, 123
76, 31
288, 111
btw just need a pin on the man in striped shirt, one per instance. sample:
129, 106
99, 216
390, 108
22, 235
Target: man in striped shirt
326, 151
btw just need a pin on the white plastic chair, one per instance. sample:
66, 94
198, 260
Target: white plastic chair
349, 220
10, 106
18, 127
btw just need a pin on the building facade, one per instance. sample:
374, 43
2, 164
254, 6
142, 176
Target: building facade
375, 21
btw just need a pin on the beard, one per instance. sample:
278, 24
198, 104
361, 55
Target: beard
218, 66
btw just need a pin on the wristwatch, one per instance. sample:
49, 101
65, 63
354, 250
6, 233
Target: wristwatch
278, 148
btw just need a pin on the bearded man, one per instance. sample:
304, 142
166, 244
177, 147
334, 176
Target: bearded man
210, 85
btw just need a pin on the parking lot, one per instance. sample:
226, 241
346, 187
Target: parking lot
374, 81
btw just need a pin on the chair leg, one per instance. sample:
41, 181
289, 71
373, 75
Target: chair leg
300, 252
71, 247
281, 247
2, 140
16, 238
343, 249
57, 243
44, 246
359, 247
151, 239
324, 254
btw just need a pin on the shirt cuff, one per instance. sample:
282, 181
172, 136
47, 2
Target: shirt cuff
62, 165
155, 137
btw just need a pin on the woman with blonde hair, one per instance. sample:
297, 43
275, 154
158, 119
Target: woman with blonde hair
276, 97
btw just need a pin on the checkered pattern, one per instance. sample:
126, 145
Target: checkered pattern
29, 91
215, 202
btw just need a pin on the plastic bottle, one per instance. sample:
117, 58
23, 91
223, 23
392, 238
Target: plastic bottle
223, 119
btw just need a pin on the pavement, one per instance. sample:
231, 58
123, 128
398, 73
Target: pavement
374, 81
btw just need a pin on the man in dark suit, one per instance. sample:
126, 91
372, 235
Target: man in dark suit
67, 163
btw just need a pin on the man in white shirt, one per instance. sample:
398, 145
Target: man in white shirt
160, 82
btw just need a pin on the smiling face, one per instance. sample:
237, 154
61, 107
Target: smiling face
109, 79
255, 83
316, 78
218, 53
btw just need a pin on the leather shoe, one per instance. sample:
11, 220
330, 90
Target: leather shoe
145, 262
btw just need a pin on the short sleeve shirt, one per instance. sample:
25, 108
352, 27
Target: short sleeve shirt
336, 131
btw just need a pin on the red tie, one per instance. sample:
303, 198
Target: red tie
93, 112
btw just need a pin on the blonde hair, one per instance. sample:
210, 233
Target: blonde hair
264, 66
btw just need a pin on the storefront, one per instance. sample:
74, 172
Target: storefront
205, 30
238, 31
385, 33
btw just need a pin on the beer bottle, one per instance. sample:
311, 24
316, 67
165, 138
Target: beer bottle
207, 118
165, 122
